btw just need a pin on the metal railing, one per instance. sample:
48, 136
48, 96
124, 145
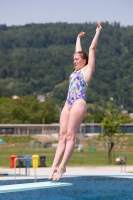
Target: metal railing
24, 159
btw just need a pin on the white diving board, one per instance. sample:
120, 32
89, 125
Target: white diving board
31, 186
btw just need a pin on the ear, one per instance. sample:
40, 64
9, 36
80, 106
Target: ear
84, 61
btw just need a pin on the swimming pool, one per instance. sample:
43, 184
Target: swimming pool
83, 188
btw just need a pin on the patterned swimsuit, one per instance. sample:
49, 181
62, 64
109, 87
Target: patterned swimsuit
77, 88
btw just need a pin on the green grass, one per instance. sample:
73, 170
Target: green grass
16, 139
123, 147
21, 150
85, 158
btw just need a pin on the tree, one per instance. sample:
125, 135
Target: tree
27, 110
37, 59
111, 126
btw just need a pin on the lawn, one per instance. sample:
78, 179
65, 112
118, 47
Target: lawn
86, 157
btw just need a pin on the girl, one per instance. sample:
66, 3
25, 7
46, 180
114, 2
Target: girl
75, 107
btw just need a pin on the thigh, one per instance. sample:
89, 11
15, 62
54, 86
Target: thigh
76, 115
64, 117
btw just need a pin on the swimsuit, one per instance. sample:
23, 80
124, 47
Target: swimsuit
77, 88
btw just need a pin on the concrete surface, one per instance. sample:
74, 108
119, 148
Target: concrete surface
43, 172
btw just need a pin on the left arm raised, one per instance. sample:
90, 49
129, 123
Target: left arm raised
89, 69
78, 42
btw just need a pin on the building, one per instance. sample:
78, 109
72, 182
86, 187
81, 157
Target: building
85, 128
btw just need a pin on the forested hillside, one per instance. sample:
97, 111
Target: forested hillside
38, 59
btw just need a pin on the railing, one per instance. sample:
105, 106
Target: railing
24, 159
123, 163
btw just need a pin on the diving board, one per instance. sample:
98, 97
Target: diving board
31, 186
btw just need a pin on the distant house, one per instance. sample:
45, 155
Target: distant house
131, 115
41, 98
15, 97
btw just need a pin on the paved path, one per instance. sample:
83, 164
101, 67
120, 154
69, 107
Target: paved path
71, 171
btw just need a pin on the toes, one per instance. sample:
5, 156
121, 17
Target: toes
50, 177
56, 178
52, 173
59, 174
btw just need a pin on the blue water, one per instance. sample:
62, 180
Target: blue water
83, 188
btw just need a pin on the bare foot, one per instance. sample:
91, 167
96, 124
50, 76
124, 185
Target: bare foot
59, 173
53, 170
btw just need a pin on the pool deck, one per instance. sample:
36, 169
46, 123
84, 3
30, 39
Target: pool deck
43, 172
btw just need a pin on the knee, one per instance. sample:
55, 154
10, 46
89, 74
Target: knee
62, 136
70, 136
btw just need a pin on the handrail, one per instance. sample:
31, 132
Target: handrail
24, 159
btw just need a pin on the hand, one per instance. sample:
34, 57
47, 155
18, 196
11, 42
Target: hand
81, 34
99, 28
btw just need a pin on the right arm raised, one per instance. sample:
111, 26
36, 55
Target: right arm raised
78, 42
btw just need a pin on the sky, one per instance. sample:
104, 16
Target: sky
21, 12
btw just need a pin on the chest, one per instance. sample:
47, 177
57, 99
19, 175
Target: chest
76, 76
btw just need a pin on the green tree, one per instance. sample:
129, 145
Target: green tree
37, 59
111, 126
27, 110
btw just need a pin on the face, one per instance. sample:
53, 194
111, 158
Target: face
78, 61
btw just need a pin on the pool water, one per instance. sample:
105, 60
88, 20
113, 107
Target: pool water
83, 188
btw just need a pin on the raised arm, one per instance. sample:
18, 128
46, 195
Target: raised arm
89, 69
78, 42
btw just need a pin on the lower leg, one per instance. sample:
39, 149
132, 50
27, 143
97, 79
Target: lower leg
67, 154
70, 144
62, 141
59, 152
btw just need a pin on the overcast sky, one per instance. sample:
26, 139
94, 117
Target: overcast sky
21, 12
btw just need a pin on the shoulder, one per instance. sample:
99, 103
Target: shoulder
87, 71
72, 74
85, 68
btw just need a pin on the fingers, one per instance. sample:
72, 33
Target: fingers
81, 34
99, 27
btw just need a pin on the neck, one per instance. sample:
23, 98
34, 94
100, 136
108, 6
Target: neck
78, 68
